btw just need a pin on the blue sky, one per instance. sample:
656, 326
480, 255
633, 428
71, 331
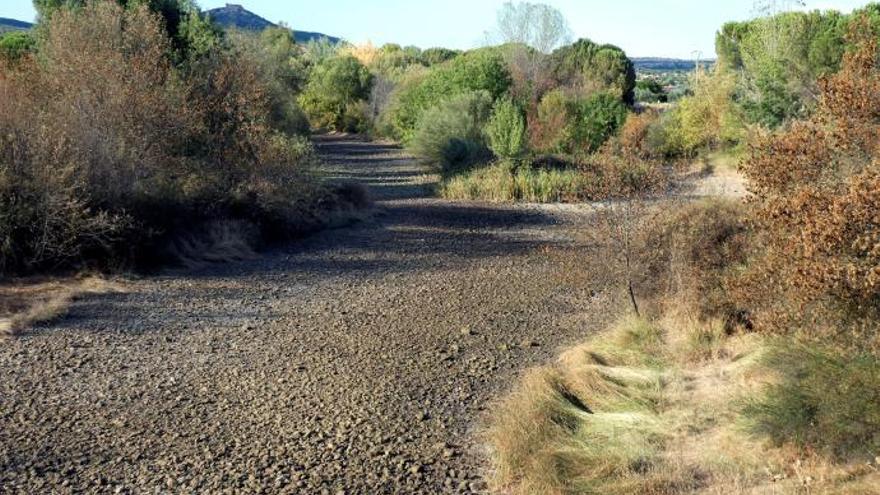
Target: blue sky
669, 28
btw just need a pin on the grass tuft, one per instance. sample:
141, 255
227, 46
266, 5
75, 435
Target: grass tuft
823, 400
25, 305
655, 408
497, 184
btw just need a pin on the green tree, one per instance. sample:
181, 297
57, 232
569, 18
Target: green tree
593, 67
477, 70
334, 85
596, 118
435, 56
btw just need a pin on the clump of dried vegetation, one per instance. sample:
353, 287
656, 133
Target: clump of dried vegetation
27, 303
754, 365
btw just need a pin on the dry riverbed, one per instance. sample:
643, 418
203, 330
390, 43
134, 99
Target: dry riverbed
357, 361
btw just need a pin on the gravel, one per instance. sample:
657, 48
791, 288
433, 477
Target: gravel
359, 360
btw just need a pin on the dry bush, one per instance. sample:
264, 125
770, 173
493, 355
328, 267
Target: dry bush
816, 197
690, 250
107, 149
634, 135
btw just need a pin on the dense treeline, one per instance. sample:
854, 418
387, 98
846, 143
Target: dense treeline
767, 75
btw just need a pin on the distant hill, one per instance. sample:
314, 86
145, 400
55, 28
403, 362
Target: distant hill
660, 64
13, 25
237, 17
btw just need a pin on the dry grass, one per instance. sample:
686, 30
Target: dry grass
26, 303
652, 408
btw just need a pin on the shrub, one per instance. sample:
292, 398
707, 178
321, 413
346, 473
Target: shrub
283, 71
15, 44
334, 85
450, 135
635, 135
191, 34
824, 401
569, 124
478, 70
594, 120
107, 149
705, 120
547, 129
817, 193
507, 130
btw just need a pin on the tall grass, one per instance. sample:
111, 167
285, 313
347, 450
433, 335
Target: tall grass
496, 183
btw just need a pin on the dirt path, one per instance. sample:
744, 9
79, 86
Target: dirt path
356, 361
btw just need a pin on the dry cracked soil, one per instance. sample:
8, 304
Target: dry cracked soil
359, 360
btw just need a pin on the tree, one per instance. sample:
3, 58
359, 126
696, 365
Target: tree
537, 25
334, 85
595, 119
435, 56
590, 67
477, 70
816, 189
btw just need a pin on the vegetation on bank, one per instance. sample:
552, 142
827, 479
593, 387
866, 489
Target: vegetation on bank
123, 128
749, 361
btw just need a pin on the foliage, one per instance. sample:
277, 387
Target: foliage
636, 132
319, 50
782, 56
284, 71
816, 194
107, 148
15, 44
825, 401
591, 67
192, 34
478, 70
450, 135
547, 127
704, 120
649, 91
571, 124
334, 85
436, 56
594, 120
506, 130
